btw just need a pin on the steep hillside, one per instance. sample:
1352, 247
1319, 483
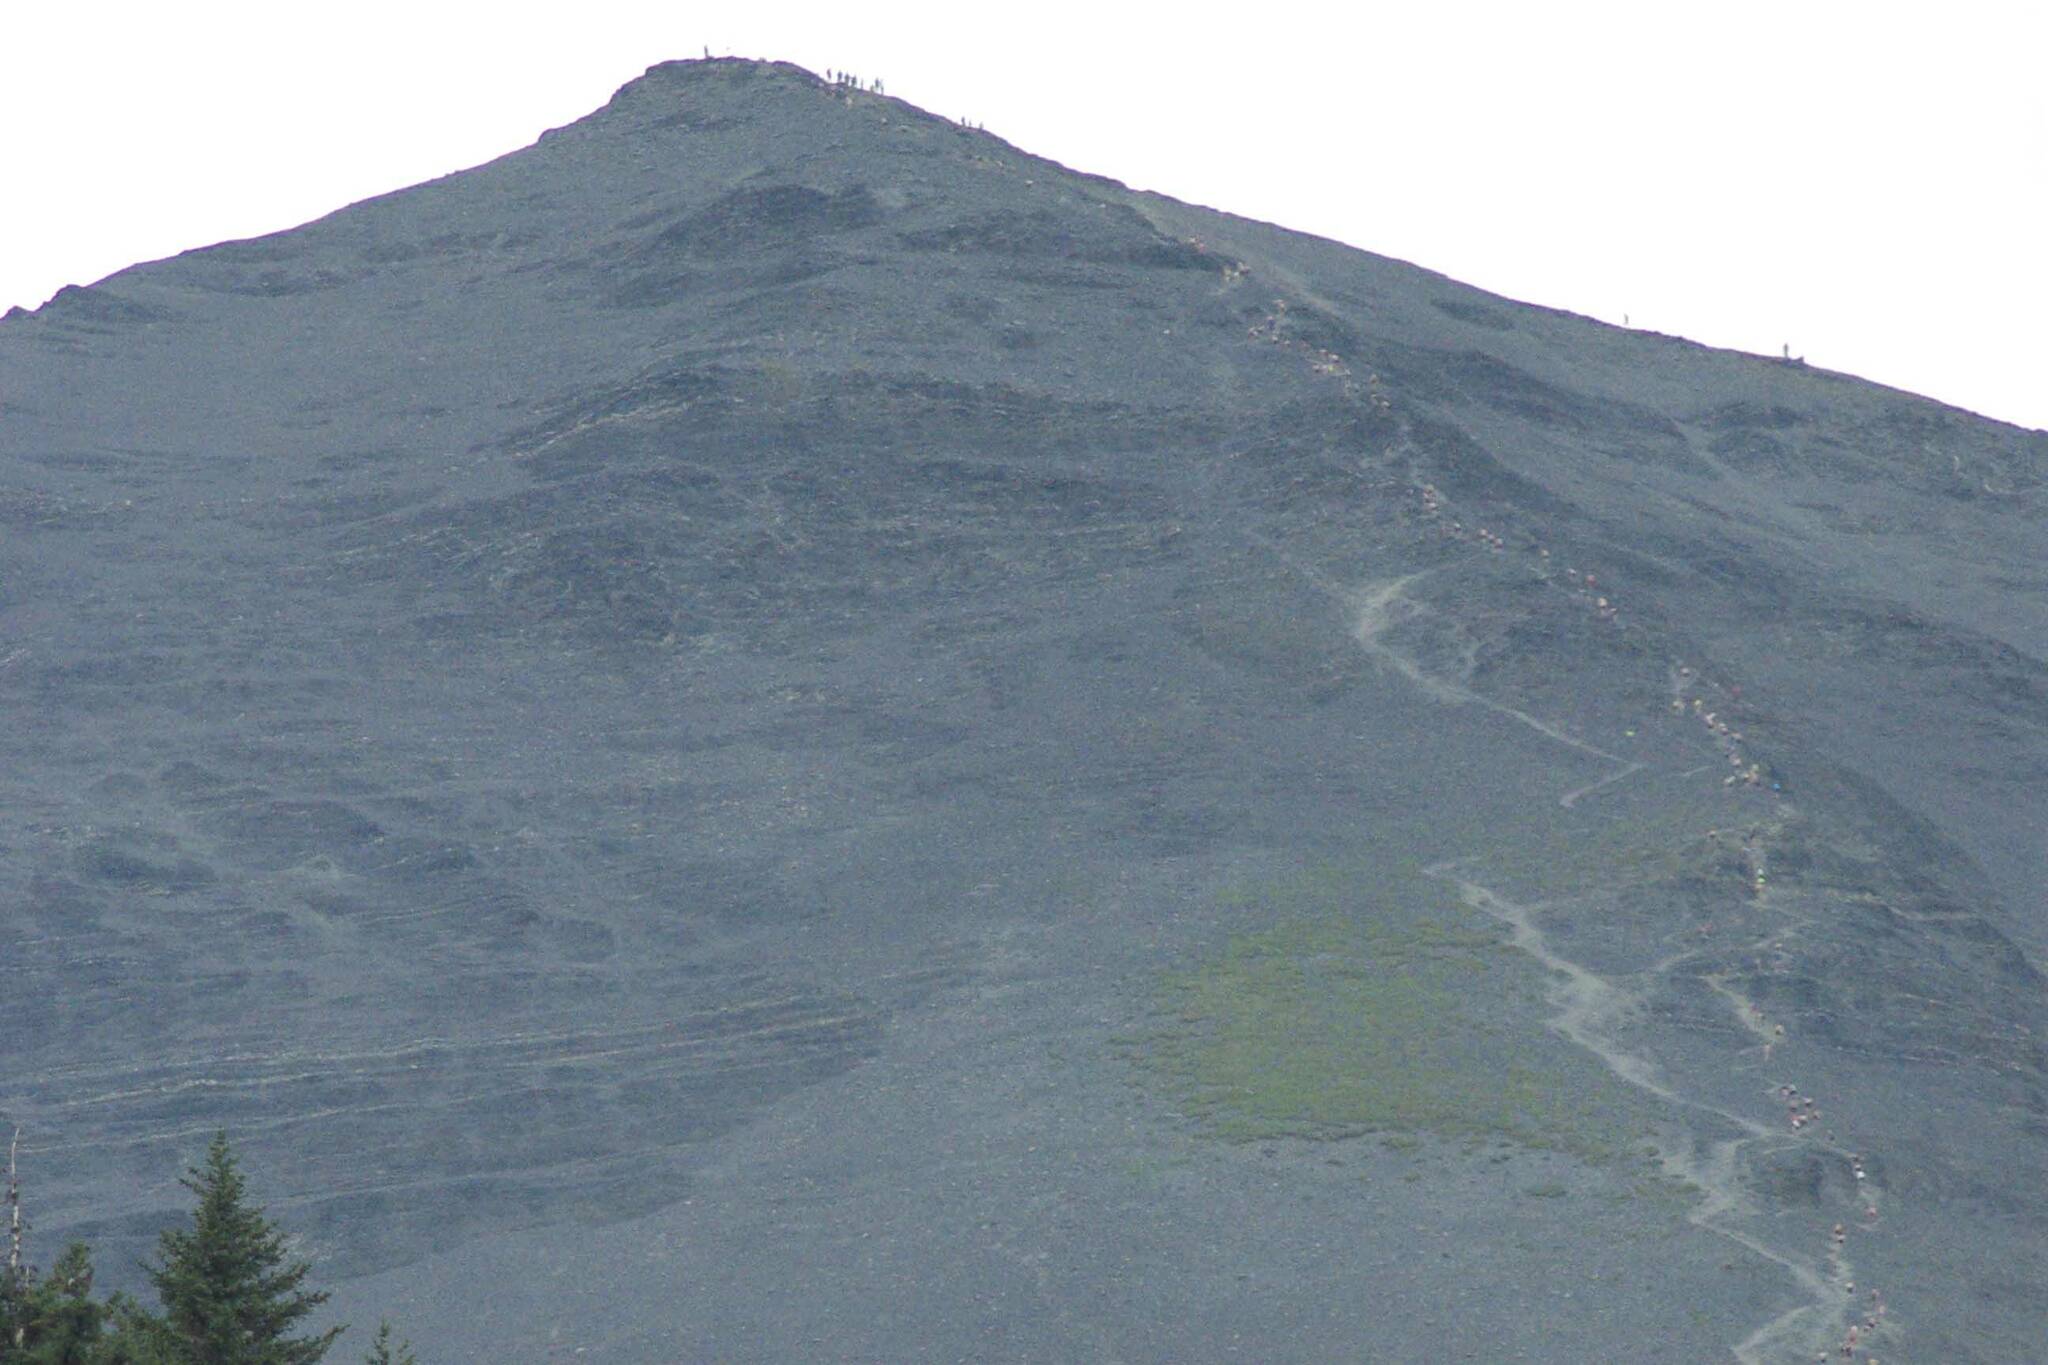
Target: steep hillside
772, 730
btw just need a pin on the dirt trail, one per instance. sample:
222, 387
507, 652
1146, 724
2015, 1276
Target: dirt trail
1590, 1008
1571, 798
1375, 607
1378, 607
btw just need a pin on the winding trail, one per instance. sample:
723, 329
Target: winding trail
1378, 607
1571, 798
1590, 1007
1375, 606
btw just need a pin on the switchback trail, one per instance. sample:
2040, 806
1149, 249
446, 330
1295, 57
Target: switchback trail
1376, 604
1589, 1007
1376, 609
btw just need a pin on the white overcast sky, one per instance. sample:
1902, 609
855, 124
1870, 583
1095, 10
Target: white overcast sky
1865, 181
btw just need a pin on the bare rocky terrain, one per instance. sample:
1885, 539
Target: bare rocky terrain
774, 730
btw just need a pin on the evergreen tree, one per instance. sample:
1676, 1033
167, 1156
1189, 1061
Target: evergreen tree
58, 1323
381, 1349
134, 1336
44, 1319
230, 1292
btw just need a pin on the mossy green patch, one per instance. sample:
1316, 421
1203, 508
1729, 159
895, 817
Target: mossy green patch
1324, 1025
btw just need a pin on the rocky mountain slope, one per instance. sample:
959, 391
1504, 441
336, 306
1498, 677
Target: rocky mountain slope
772, 730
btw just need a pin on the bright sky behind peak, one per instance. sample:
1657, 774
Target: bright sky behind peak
1866, 182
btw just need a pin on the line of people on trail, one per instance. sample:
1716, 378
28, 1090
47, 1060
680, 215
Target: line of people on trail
1803, 1112
1321, 359
1583, 588
1726, 737
842, 80
1805, 1118
1755, 878
1857, 1337
1803, 1115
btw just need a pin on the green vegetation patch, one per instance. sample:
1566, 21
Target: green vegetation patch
1323, 1027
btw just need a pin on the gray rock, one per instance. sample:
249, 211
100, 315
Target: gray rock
771, 730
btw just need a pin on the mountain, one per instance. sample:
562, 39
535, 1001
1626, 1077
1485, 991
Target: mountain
772, 730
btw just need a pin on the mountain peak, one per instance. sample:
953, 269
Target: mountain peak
797, 695
710, 77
